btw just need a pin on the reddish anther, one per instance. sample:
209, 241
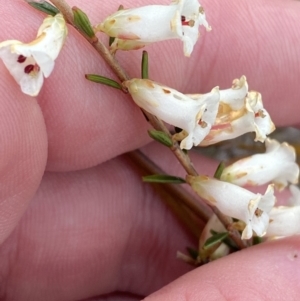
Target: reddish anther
28, 69
183, 21
21, 58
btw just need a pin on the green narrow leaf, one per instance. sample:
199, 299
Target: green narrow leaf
219, 170
163, 179
103, 80
161, 137
227, 241
82, 21
45, 7
145, 73
214, 240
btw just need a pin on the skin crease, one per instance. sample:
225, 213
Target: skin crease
91, 228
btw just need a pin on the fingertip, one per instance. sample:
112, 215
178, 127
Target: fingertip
269, 271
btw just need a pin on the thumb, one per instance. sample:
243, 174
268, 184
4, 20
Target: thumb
268, 271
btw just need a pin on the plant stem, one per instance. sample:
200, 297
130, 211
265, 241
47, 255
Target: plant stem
184, 159
227, 222
67, 12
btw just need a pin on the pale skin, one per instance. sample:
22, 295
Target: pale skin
97, 230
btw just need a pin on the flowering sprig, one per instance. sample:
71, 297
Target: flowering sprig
204, 118
30, 63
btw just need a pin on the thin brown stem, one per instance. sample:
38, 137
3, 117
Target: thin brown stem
184, 159
227, 222
65, 9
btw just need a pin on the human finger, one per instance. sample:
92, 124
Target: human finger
269, 271
92, 232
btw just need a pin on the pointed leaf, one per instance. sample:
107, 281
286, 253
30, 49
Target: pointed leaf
163, 179
145, 73
215, 240
103, 80
45, 7
227, 241
219, 170
161, 137
82, 21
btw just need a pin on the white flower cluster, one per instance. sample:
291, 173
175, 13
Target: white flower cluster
209, 118
221, 115
205, 118
277, 166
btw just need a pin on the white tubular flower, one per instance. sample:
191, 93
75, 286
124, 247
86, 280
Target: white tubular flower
194, 114
29, 63
237, 202
240, 112
284, 221
276, 165
153, 23
294, 200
